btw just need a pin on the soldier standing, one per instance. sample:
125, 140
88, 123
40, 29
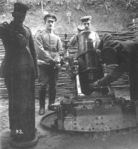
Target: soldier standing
85, 26
48, 48
85, 56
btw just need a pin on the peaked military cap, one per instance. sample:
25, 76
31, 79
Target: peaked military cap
50, 17
20, 7
85, 18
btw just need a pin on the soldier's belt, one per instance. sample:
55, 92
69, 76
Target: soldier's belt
50, 49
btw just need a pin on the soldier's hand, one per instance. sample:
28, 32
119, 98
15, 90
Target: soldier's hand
57, 60
52, 63
57, 65
95, 84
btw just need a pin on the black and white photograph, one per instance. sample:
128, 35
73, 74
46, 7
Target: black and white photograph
69, 74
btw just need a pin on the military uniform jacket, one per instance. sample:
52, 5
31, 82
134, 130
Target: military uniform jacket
127, 57
48, 45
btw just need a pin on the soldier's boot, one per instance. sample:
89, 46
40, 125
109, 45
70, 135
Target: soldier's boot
52, 95
42, 95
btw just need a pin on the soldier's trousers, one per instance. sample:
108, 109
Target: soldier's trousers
48, 78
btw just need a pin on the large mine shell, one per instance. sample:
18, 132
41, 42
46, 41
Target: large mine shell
22, 98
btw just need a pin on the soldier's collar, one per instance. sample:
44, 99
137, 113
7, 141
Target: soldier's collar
48, 31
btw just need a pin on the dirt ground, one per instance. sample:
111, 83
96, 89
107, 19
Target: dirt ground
53, 139
50, 139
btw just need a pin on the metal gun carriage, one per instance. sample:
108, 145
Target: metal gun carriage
90, 109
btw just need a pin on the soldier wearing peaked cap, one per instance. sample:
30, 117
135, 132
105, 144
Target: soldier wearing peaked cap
81, 39
50, 16
48, 48
20, 71
86, 18
85, 26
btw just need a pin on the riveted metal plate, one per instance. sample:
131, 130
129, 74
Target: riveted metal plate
99, 119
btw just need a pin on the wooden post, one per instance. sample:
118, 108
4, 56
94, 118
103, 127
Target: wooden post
68, 14
42, 6
7, 2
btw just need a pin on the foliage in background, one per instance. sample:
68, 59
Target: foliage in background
75, 4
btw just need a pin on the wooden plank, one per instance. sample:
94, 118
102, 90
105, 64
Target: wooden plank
64, 85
